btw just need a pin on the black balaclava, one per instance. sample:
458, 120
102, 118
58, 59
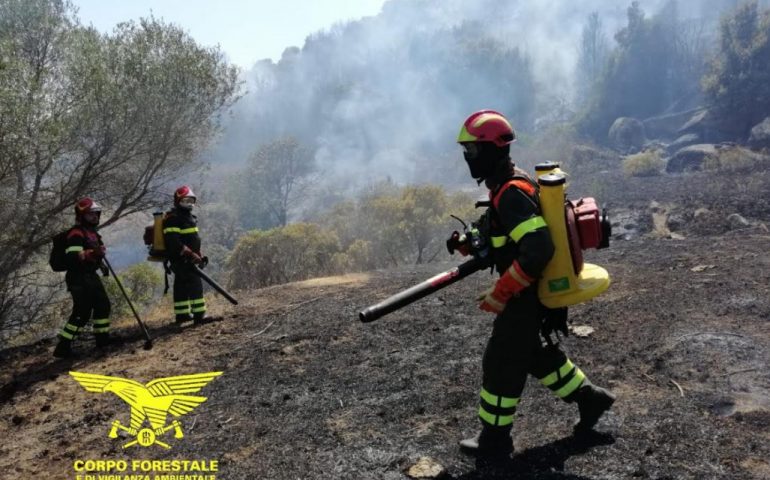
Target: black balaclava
486, 160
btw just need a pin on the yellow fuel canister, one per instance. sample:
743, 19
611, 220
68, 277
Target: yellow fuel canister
158, 249
561, 284
547, 167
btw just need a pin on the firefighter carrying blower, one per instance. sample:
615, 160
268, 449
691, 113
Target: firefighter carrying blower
173, 239
521, 247
183, 253
80, 252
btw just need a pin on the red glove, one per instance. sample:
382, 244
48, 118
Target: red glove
458, 243
94, 255
192, 256
511, 283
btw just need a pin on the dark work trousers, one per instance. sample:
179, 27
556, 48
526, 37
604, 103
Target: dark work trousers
515, 350
188, 292
89, 301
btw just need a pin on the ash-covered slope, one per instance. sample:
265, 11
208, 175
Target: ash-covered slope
309, 392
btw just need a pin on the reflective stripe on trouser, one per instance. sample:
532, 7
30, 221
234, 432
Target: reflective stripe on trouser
565, 380
69, 331
180, 308
198, 305
496, 410
101, 325
89, 300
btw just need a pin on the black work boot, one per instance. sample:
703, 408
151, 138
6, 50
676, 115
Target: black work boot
201, 318
592, 402
182, 317
491, 442
63, 349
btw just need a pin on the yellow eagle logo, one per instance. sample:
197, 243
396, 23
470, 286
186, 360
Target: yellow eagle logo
152, 402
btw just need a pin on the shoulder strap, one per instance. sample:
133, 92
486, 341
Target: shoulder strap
524, 185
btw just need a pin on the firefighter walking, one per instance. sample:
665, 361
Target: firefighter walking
521, 249
183, 251
84, 252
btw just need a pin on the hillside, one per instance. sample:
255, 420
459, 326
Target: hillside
309, 392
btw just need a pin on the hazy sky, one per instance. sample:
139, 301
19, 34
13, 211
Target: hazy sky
247, 30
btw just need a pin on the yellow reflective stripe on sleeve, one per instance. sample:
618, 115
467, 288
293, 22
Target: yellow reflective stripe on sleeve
498, 242
101, 321
181, 231
183, 303
102, 330
199, 309
73, 249
492, 419
555, 376
527, 226
66, 334
573, 385
198, 301
505, 402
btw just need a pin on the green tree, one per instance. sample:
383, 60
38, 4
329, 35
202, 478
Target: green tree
651, 68
399, 225
594, 49
267, 188
112, 116
738, 79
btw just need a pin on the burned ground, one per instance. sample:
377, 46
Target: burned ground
309, 392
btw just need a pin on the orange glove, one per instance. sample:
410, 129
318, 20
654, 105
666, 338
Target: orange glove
510, 284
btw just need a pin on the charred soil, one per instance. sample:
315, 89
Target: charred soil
308, 391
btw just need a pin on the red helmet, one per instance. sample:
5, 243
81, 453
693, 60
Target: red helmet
487, 126
183, 192
87, 205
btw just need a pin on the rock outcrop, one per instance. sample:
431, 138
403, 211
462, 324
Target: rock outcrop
627, 135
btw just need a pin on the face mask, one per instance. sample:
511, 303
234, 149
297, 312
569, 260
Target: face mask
187, 203
91, 218
479, 166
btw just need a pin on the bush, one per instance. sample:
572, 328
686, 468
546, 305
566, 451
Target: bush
142, 282
734, 159
644, 164
284, 254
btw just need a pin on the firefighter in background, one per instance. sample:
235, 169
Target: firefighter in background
183, 250
84, 254
521, 248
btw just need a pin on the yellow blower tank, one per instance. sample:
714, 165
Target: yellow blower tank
546, 167
561, 285
158, 248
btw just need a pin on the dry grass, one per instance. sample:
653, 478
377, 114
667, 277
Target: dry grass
644, 164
